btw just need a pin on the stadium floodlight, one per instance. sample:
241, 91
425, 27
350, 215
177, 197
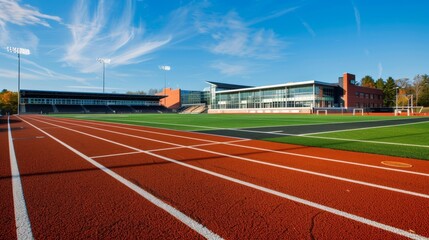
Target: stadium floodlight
103, 61
165, 69
19, 52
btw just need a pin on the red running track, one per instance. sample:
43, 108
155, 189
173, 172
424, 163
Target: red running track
85, 179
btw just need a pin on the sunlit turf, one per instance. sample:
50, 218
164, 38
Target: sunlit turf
392, 140
411, 141
215, 121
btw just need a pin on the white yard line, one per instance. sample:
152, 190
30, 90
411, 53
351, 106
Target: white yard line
22, 220
199, 228
136, 128
244, 183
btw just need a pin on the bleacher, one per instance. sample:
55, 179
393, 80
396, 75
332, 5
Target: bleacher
151, 109
39, 108
70, 108
98, 109
196, 109
122, 109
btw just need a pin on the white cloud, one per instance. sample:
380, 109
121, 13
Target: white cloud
308, 28
357, 18
12, 12
230, 69
273, 15
234, 37
380, 70
103, 34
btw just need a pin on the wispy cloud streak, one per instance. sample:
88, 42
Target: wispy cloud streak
234, 37
357, 18
308, 28
230, 69
12, 12
123, 42
380, 70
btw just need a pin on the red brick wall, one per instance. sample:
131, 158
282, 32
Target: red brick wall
357, 96
172, 100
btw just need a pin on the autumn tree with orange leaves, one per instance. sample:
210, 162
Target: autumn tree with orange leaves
8, 102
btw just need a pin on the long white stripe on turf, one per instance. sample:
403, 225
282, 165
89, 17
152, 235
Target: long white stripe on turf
264, 189
199, 228
248, 147
239, 158
22, 221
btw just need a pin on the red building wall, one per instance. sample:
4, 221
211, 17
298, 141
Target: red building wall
360, 97
172, 100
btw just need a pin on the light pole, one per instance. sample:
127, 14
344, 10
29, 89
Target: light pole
165, 69
19, 51
396, 100
103, 61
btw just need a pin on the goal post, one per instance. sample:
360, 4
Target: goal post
321, 111
357, 110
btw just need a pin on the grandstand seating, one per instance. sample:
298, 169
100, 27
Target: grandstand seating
193, 109
97, 109
122, 109
151, 109
39, 108
70, 108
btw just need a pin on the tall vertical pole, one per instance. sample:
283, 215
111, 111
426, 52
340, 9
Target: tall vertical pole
396, 100
19, 81
104, 72
165, 87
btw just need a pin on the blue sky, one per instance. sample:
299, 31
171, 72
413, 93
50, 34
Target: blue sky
252, 42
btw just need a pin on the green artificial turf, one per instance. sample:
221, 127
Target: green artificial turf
393, 140
193, 122
414, 134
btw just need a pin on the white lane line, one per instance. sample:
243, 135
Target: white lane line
243, 159
114, 125
114, 155
199, 228
264, 189
22, 220
198, 145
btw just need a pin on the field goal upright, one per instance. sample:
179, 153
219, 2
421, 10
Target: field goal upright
318, 112
357, 110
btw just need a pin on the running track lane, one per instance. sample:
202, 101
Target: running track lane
313, 219
69, 198
7, 219
281, 154
390, 213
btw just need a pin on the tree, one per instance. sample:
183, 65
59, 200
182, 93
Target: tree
8, 102
136, 92
389, 93
379, 84
367, 81
418, 85
424, 96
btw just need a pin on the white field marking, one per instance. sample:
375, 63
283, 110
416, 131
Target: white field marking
264, 149
278, 131
294, 125
199, 228
254, 186
22, 220
364, 128
198, 145
239, 158
163, 149
114, 155
113, 124
368, 141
